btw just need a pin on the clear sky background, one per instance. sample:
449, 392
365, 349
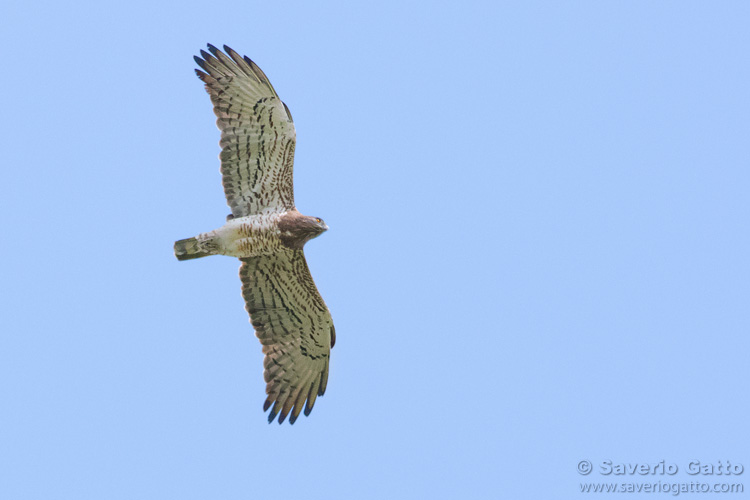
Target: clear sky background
538, 250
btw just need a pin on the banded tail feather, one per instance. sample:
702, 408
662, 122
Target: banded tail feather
192, 248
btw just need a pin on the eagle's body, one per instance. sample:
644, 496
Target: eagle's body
252, 236
266, 232
244, 237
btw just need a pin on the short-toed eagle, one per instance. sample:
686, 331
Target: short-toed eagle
266, 232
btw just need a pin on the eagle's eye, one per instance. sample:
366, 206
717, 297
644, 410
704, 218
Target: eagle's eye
318, 219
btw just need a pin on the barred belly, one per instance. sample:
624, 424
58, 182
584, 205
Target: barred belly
249, 236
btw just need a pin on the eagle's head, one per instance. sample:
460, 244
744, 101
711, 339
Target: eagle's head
315, 226
297, 229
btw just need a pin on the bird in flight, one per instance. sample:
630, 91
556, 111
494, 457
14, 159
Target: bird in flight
266, 232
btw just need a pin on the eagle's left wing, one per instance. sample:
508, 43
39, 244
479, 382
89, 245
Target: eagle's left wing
257, 133
295, 327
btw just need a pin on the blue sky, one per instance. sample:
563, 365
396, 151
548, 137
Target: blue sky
538, 250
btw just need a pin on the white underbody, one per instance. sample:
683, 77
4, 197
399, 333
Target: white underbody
248, 236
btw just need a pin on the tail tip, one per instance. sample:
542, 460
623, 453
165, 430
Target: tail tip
188, 249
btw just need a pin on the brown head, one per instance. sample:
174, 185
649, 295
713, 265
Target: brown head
297, 229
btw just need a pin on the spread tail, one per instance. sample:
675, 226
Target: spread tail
190, 248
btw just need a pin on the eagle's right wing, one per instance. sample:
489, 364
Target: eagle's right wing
257, 133
295, 327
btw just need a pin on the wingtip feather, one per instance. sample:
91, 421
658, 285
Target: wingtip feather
323, 380
274, 412
228, 50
